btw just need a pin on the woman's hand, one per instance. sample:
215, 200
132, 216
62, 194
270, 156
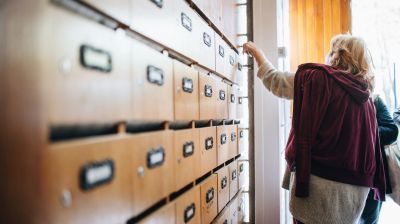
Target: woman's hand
251, 49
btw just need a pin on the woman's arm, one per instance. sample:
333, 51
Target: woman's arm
279, 83
387, 128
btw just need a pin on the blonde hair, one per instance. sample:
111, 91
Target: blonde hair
350, 54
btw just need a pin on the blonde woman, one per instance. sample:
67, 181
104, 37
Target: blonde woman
333, 148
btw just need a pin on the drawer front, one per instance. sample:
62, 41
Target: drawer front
88, 177
87, 77
188, 209
239, 71
221, 55
205, 43
187, 157
152, 84
186, 92
233, 140
234, 210
242, 173
223, 139
166, 214
230, 64
208, 146
233, 179
242, 136
232, 102
119, 11
208, 199
223, 187
222, 100
242, 105
208, 96
241, 207
153, 170
146, 20
223, 217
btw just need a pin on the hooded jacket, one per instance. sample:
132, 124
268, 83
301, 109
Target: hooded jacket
334, 130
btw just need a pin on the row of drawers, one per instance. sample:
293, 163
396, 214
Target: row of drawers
177, 26
117, 178
202, 205
98, 75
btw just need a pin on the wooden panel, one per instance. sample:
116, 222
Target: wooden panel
209, 208
186, 96
188, 208
232, 101
233, 179
187, 157
87, 74
319, 31
233, 140
242, 136
208, 146
153, 98
223, 217
221, 53
207, 102
222, 99
311, 40
294, 35
204, 45
345, 15
73, 193
242, 173
119, 11
328, 32
223, 137
234, 211
165, 215
336, 19
155, 181
223, 187
229, 19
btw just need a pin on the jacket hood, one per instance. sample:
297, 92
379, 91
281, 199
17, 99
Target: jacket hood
356, 88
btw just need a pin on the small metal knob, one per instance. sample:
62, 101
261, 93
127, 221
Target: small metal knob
66, 198
140, 171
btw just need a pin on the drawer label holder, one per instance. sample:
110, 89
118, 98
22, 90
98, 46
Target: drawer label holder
186, 21
190, 212
241, 168
221, 51
94, 174
209, 143
224, 182
207, 39
155, 157
187, 85
188, 149
95, 59
158, 3
208, 91
210, 195
155, 75
223, 139
233, 98
234, 174
222, 95
233, 136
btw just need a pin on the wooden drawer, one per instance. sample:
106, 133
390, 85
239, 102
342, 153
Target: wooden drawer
205, 44
223, 217
208, 199
187, 157
225, 59
85, 75
223, 187
222, 100
188, 207
119, 11
243, 135
234, 210
153, 168
233, 179
233, 140
186, 92
242, 106
241, 207
239, 71
208, 146
208, 96
232, 102
88, 177
165, 215
152, 84
223, 138
156, 20
242, 173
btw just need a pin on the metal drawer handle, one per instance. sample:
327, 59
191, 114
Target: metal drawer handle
209, 143
210, 195
188, 149
241, 134
96, 59
240, 67
240, 100
155, 75
234, 174
158, 3
187, 85
94, 174
190, 211
231, 60
224, 182
241, 168
233, 136
208, 91
223, 139
186, 22
222, 95
207, 39
221, 51
233, 98
155, 157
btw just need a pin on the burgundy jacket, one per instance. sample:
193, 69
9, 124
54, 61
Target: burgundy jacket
334, 130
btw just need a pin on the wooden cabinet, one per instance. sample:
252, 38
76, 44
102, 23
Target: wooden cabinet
187, 157
186, 92
223, 187
153, 168
208, 147
208, 199
188, 208
152, 84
